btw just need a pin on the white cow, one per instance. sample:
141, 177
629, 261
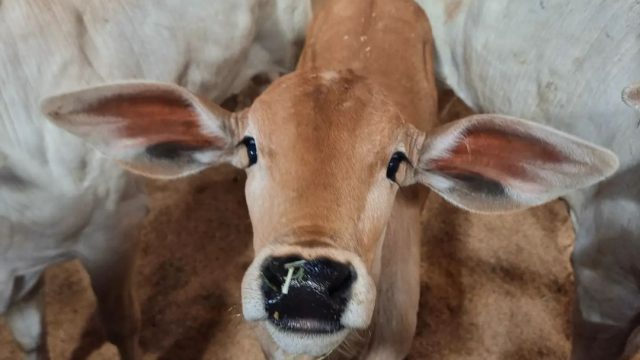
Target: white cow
59, 199
565, 64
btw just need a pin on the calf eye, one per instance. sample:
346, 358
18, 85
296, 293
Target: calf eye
252, 152
394, 164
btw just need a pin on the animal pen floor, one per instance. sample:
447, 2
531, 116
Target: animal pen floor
493, 287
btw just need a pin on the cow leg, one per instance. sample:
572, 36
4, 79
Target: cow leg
112, 282
606, 262
25, 318
399, 284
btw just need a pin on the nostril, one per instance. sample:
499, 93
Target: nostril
274, 272
271, 278
327, 277
342, 282
331, 278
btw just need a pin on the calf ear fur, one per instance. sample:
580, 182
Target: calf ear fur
492, 163
155, 129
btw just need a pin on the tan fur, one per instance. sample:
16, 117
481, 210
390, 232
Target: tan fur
373, 107
348, 73
370, 37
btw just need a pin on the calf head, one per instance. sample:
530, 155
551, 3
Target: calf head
325, 154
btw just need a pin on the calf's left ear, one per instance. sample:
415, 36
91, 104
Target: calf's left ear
159, 130
631, 96
491, 163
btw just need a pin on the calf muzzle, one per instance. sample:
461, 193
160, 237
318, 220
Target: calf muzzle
307, 296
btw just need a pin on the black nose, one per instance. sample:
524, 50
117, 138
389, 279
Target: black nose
306, 295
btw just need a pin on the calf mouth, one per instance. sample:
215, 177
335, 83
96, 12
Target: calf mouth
307, 326
303, 343
308, 299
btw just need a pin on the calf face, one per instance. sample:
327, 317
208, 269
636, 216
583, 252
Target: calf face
325, 154
322, 178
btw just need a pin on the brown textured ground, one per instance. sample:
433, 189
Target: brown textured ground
493, 287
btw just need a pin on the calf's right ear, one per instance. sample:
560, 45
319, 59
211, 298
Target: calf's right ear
159, 130
492, 163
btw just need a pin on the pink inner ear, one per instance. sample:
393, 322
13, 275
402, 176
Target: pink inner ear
497, 155
156, 117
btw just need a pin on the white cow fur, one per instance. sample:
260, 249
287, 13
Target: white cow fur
565, 64
59, 199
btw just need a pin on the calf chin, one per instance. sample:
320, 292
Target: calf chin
305, 343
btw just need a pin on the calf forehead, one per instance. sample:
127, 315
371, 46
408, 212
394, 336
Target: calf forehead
322, 114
